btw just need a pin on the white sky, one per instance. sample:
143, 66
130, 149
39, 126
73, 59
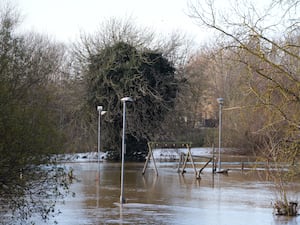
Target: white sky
65, 19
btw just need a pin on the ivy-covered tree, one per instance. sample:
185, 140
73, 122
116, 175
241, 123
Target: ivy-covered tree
122, 68
148, 77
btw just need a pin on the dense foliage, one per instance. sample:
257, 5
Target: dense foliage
147, 76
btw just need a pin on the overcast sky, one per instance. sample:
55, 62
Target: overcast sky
65, 19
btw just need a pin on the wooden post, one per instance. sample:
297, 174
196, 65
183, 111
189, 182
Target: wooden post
205, 166
156, 171
150, 153
180, 161
192, 161
184, 163
147, 160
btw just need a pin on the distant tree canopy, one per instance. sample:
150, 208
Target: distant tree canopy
255, 66
147, 76
29, 122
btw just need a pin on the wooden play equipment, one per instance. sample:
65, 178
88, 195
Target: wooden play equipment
183, 158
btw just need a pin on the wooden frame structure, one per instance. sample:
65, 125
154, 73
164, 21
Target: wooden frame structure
176, 145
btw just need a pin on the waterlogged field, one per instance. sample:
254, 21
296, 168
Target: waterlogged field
170, 198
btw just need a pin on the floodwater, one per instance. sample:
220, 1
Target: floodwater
169, 198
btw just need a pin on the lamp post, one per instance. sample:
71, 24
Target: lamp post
124, 100
100, 113
220, 101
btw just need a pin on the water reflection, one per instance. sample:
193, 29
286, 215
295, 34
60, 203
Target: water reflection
170, 198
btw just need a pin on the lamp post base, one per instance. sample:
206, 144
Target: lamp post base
122, 200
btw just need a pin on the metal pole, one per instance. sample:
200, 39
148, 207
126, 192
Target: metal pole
99, 119
220, 101
99, 108
122, 199
100, 113
124, 100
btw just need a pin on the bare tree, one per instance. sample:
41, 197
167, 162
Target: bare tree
263, 43
29, 124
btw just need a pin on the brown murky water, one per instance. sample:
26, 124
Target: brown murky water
170, 198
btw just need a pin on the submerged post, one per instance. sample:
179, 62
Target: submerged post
150, 154
124, 100
213, 159
220, 101
100, 113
